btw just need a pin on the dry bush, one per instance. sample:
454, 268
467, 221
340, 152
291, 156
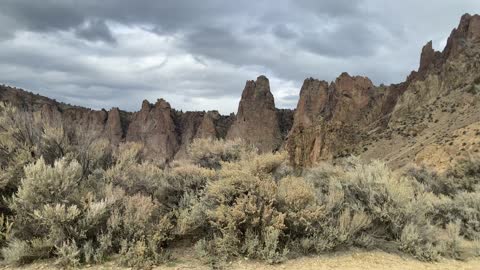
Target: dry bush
209, 153
240, 203
459, 195
42, 189
19, 143
84, 202
303, 214
464, 207
6, 224
366, 203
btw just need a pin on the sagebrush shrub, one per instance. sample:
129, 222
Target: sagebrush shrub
209, 153
71, 197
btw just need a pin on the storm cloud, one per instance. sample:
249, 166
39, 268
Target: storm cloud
198, 54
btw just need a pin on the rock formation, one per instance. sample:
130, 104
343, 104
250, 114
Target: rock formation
256, 121
187, 125
432, 118
214, 125
417, 118
154, 126
332, 118
113, 126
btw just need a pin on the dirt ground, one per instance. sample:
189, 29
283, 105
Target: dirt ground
351, 260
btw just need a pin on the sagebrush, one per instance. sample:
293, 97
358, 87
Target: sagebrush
79, 200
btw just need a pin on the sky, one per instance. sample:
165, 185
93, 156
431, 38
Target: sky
198, 54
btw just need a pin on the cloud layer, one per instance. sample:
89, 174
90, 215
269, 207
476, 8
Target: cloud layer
198, 54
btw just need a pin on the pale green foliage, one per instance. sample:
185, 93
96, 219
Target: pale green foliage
41, 201
20, 251
17, 252
459, 195
242, 202
6, 225
68, 254
19, 140
210, 153
418, 241
69, 196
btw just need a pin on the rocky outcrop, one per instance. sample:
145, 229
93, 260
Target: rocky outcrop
154, 126
187, 125
440, 73
113, 126
214, 125
208, 126
331, 119
352, 116
429, 115
438, 101
462, 37
256, 121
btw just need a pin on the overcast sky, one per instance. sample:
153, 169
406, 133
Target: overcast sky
198, 54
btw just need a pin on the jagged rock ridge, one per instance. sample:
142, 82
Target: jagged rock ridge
432, 118
411, 121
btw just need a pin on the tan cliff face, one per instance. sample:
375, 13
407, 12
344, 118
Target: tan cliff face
256, 121
432, 118
433, 121
154, 126
415, 121
332, 118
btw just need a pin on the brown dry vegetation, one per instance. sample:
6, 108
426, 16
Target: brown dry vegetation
76, 201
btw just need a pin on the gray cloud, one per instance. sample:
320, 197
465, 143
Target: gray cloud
198, 54
282, 31
95, 30
343, 40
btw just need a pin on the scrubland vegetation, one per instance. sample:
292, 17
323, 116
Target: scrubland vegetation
76, 200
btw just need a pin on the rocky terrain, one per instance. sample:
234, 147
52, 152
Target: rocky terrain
432, 118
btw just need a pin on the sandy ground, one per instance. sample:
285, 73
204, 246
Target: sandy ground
351, 260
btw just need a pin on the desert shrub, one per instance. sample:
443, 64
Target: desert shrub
57, 206
385, 196
458, 195
183, 193
239, 204
303, 214
143, 233
183, 179
209, 153
432, 181
24, 138
418, 241
71, 197
366, 203
131, 174
464, 207
46, 190
462, 178
68, 254
467, 168
19, 141
19, 252
5, 229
